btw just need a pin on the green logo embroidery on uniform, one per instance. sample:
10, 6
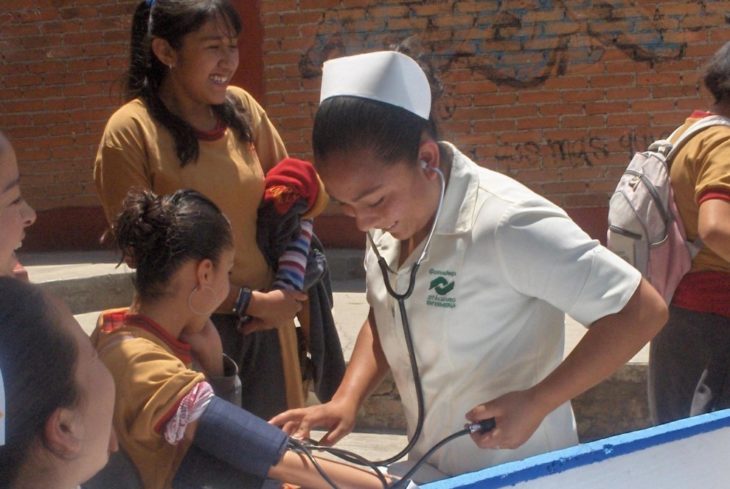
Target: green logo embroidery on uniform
442, 284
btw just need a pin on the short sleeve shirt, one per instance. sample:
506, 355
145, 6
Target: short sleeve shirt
487, 310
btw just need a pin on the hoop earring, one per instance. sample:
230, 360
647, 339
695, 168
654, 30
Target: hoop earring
190, 300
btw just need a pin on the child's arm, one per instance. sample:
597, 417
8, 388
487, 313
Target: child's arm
250, 445
207, 349
221, 371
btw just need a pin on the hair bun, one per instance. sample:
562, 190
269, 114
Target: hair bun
142, 226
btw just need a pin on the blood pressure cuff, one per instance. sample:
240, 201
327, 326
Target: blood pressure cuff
231, 436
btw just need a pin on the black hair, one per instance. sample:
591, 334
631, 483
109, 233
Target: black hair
346, 123
172, 20
38, 363
717, 74
393, 134
158, 234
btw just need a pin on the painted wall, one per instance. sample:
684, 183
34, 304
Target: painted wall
556, 93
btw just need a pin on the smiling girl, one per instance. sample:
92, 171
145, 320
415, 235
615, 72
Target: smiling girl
185, 126
15, 213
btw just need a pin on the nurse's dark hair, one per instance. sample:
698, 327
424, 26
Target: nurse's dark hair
158, 234
38, 363
172, 20
352, 124
717, 74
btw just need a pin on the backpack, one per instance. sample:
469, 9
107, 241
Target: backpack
644, 225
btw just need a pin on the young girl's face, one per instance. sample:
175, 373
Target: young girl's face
206, 62
393, 197
15, 213
93, 415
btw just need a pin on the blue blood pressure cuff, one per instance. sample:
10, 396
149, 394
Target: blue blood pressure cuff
241, 440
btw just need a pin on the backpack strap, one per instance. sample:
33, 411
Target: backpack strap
700, 125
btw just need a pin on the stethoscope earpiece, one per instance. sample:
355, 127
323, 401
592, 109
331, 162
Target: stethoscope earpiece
401, 298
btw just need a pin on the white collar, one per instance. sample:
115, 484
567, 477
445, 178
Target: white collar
457, 214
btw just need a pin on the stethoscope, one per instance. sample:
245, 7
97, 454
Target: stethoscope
481, 426
401, 299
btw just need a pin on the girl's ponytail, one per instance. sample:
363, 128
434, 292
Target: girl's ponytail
139, 51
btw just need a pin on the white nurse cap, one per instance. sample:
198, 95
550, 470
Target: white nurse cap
385, 76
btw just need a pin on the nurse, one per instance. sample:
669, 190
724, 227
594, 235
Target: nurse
487, 311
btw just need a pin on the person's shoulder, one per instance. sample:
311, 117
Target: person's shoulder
128, 118
244, 98
717, 135
248, 103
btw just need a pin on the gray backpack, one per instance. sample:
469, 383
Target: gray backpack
644, 226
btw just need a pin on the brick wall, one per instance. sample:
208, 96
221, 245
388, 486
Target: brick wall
58, 61
62, 66
557, 94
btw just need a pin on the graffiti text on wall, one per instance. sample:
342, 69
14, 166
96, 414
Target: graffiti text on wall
576, 152
514, 43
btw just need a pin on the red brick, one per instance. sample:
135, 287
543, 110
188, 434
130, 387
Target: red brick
606, 107
561, 109
674, 91
537, 122
538, 97
561, 28
569, 82
492, 99
681, 8
483, 8
628, 120
652, 105
315, 4
581, 121
630, 94
484, 126
426, 9
604, 81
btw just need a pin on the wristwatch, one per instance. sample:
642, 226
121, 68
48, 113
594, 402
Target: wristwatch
241, 305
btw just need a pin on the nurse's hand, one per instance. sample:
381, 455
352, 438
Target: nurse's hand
337, 417
517, 416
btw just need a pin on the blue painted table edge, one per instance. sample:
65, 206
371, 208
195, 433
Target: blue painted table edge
512, 473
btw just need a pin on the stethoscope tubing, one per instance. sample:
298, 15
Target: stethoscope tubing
401, 299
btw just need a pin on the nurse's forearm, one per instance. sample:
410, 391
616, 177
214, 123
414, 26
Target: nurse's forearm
297, 469
609, 343
366, 369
